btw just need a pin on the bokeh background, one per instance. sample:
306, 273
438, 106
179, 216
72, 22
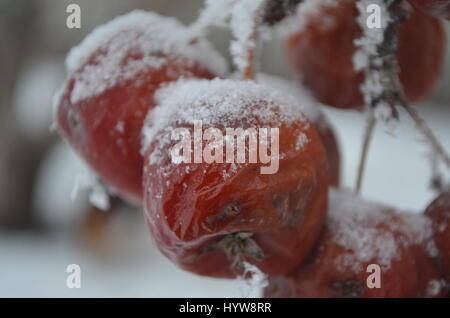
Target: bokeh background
43, 228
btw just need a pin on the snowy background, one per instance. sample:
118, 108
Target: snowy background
42, 230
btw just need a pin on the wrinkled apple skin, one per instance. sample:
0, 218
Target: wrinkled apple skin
284, 211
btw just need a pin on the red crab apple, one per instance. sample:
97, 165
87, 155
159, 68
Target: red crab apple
439, 212
359, 239
436, 8
322, 53
210, 216
112, 77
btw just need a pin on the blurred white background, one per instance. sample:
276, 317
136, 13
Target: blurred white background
42, 230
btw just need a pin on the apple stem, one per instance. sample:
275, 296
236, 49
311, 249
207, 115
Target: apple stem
370, 128
245, 20
249, 70
238, 247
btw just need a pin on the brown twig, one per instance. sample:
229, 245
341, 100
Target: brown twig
423, 127
249, 71
239, 248
370, 127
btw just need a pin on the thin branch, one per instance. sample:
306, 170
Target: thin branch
423, 127
375, 56
245, 22
249, 71
214, 13
370, 128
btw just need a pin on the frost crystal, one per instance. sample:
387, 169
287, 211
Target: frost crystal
376, 57
245, 16
435, 287
302, 140
252, 282
307, 104
358, 225
216, 102
98, 195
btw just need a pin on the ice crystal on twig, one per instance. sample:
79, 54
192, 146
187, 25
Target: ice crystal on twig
98, 194
252, 281
376, 57
245, 21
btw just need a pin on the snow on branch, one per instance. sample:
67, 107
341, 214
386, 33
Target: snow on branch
376, 57
246, 16
214, 13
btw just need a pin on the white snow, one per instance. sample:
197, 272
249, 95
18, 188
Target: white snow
120, 127
98, 194
138, 33
252, 281
308, 105
216, 103
372, 232
366, 57
435, 286
245, 16
302, 140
